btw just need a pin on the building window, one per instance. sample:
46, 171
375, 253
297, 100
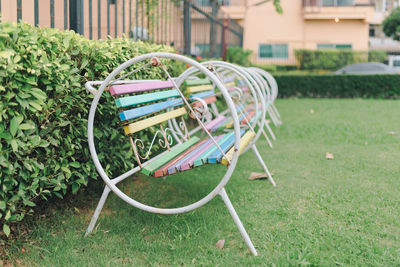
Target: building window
337, 2
273, 51
334, 46
371, 31
203, 2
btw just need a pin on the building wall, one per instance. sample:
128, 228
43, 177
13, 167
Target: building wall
263, 25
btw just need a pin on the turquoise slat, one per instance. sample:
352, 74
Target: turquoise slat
128, 101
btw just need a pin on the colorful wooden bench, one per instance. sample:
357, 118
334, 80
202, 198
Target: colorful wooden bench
143, 105
250, 114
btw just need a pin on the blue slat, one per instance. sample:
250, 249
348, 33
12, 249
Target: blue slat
138, 112
202, 94
217, 155
203, 157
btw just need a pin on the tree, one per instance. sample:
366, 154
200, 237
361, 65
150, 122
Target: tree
391, 25
277, 4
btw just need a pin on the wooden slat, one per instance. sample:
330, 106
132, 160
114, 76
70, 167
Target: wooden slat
238, 109
256, 117
128, 101
175, 151
121, 89
230, 84
248, 117
202, 159
228, 79
244, 142
138, 112
143, 124
221, 125
202, 95
177, 166
190, 161
208, 100
164, 170
197, 82
217, 155
200, 88
215, 122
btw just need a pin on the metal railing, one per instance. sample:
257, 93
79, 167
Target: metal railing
157, 21
336, 3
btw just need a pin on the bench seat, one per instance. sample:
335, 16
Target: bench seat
196, 153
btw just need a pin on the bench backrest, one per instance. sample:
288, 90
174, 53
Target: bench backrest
144, 105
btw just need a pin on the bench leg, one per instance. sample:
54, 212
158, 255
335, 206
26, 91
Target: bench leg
270, 130
98, 210
272, 115
276, 113
266, 138
237, 221
255, 150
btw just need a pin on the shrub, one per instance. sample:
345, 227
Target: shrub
366, 86
277, 68
377, 56
43, 113
238, 55
334, 59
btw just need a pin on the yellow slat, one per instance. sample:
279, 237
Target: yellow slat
230, 84
244, 141
200, 88
143, 124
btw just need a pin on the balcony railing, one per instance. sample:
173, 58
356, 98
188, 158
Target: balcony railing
336, 3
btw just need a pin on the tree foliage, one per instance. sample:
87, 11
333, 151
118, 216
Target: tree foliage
391, 25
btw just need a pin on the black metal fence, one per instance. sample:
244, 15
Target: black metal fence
210, 29
195, 27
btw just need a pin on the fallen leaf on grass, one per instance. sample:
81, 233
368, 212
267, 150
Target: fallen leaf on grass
257, 175
220, 243
329, 155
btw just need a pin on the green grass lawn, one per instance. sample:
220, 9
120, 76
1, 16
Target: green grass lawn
344, 211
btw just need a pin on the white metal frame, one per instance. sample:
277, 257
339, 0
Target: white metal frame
111, 183
259, 101
272, 110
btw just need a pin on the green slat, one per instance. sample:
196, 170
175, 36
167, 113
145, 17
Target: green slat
153, 166
203, 157
197, 82
128, 101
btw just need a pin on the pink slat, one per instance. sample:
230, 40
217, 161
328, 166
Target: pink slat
186, 166
214, 122
139, 87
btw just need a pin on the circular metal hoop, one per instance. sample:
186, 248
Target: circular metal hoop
272, 89
99, 167
253, 85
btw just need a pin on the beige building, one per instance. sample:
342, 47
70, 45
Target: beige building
307, 24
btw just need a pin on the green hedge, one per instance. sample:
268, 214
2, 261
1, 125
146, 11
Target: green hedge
366, 86
238, 55
43, 113
335, 59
